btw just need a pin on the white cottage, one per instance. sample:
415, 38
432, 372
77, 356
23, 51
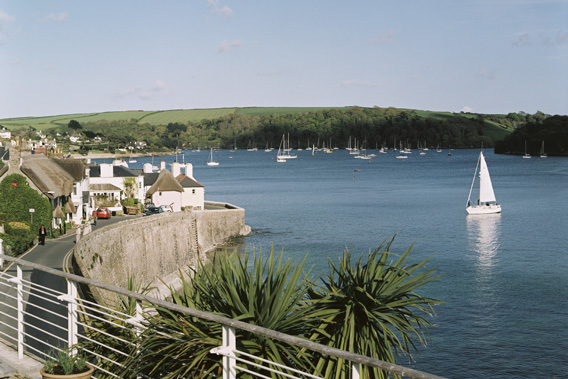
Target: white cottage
166, 191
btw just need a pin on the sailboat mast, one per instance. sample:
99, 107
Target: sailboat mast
473, 181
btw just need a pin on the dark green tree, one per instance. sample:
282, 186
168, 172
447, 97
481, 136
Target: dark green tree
74, 125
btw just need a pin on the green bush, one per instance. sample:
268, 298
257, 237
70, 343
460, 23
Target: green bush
17, 198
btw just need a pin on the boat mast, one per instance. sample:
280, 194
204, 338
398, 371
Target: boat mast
473, 181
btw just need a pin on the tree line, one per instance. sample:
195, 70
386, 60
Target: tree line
374, 127
550, 133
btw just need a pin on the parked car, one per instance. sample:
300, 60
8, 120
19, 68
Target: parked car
153, 211
101, 213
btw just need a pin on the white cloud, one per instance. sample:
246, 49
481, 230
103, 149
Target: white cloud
5, 17
159, 88
546, 39
57, 17
522, 39
561, 37
222, 11
226, 46
386, 38
486, 73
358, 83
467, 109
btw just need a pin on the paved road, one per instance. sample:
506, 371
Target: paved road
44, 318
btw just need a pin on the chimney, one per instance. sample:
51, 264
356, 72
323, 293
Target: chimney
162, 165
106, 170
176, 169
147, 168
189, 170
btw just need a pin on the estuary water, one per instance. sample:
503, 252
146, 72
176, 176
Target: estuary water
505, 277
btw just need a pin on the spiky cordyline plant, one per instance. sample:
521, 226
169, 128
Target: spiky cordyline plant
371, 309
269, 293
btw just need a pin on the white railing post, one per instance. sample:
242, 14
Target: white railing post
72, 338
2, 253
355, 370
20, 305
229, 362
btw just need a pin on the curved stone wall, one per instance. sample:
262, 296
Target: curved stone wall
153, 249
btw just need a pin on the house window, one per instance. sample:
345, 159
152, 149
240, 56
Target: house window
193, 191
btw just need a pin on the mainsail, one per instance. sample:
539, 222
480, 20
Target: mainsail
486, 193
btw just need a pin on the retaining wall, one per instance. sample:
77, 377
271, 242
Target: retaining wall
156, 247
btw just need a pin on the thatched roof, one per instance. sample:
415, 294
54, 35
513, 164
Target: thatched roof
74, 167
106, 187
187, 182
48, 176
58, 213
165, 182
69, 206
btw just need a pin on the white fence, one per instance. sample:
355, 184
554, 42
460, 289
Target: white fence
41, 312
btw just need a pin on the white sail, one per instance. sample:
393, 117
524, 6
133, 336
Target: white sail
486, 193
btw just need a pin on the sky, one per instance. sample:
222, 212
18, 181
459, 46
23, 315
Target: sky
482, 56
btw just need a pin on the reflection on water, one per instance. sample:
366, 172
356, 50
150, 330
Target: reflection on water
483, 233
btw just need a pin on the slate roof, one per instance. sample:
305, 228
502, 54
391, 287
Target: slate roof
165, 182
150, 178
187, 182
47, 175
117, 172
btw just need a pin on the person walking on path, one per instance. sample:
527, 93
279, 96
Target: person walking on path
78, 233
42, 234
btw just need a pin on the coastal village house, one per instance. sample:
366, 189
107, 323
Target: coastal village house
193, 196
166, 191
111, 182
193, 193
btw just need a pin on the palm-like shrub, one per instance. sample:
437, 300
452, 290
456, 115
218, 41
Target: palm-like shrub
268, 293
371, 309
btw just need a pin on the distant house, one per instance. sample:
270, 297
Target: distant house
166, 191
6, 134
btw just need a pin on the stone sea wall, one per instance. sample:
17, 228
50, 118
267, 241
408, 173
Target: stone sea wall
153, 249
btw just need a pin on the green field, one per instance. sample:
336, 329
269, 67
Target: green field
253, 111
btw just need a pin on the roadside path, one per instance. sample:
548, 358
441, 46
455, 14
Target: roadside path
52, 254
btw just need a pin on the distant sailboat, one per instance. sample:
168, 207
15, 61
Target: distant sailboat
527, 155
283, 151
487, 203
542, 153
211, 161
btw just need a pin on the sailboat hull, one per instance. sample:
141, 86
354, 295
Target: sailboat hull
483, 209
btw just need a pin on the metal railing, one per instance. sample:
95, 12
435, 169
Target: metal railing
40, 318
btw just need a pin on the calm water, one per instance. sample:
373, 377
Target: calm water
505, 283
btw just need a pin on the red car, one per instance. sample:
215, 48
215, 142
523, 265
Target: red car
101, 213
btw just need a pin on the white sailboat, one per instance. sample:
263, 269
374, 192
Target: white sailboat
542, 153
283, 151
527, 155
487, 203
211, 161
